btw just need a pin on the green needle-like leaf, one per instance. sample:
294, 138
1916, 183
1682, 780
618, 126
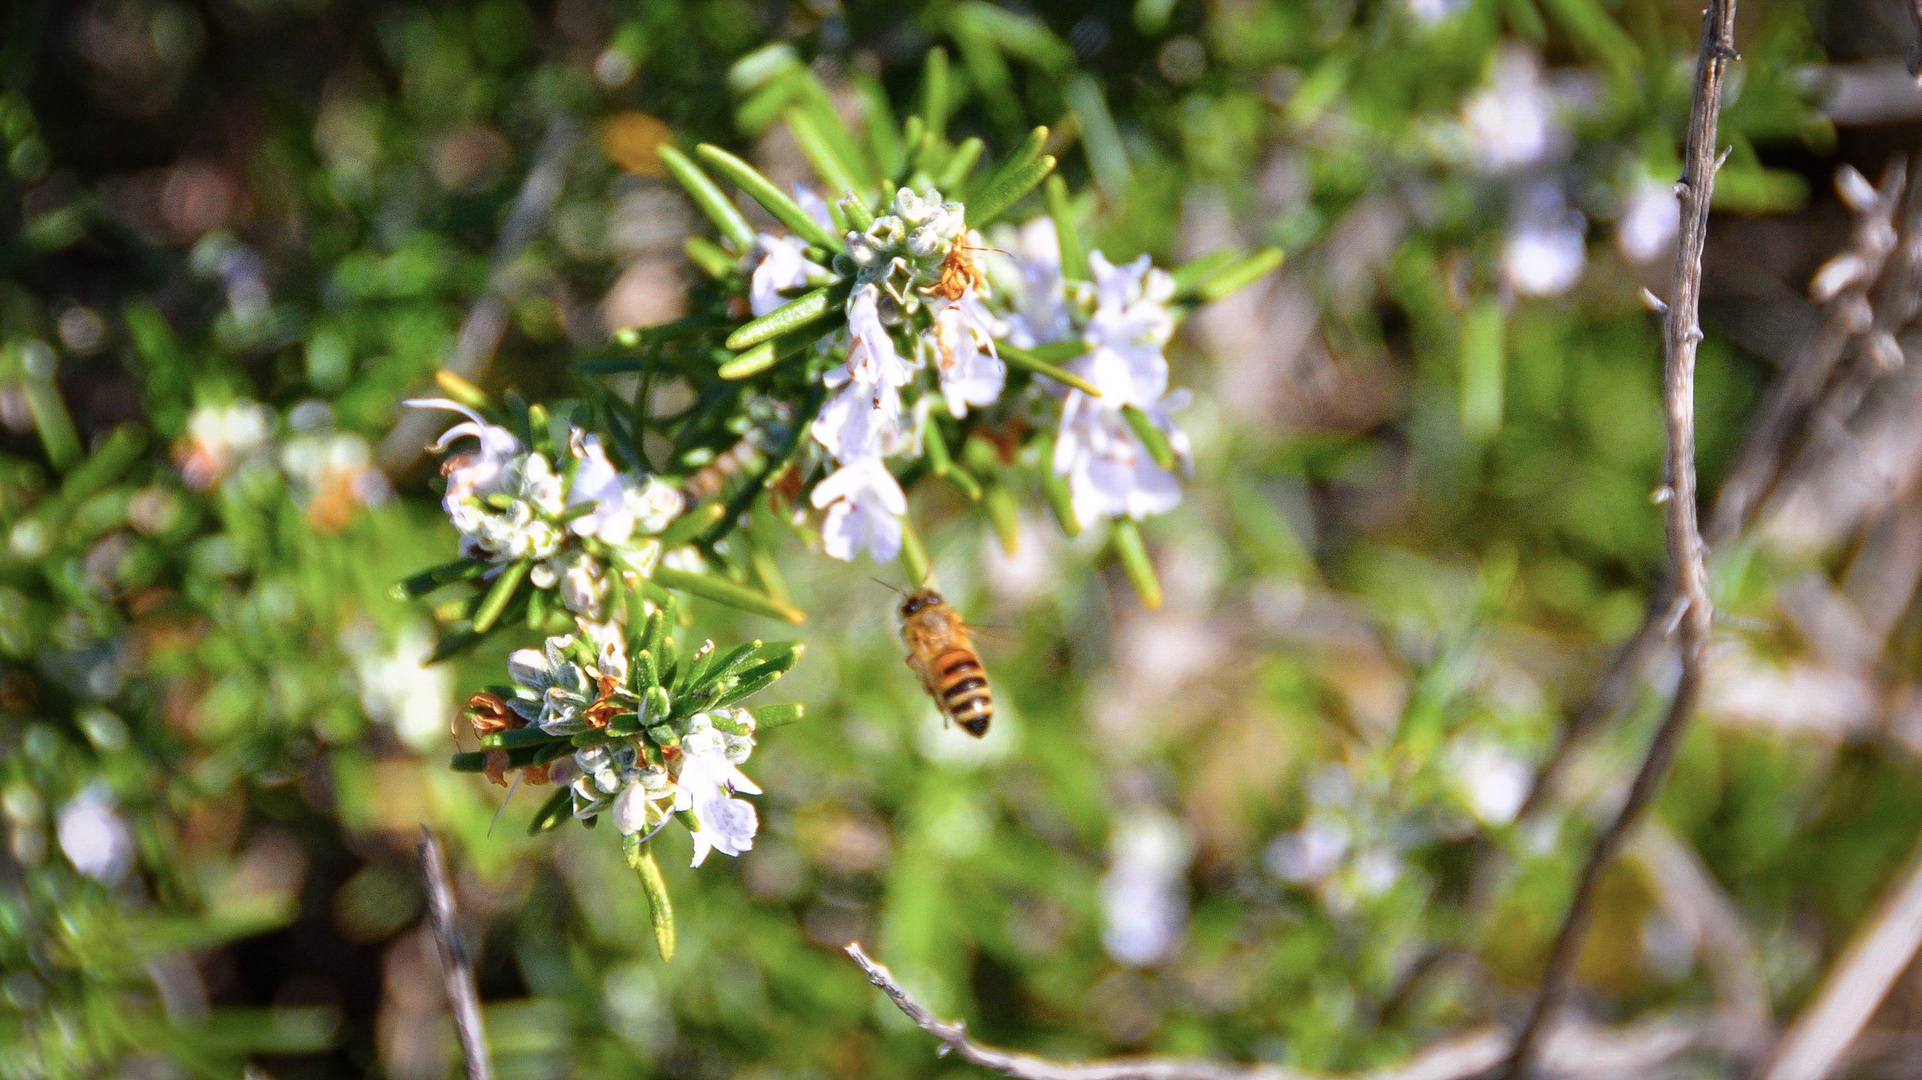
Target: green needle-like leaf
1151, 436
1240, 275
1074, 261
692, 524
660, 908
710, 198
1006, 190
499, 595
795, 313
838, 175
1026, 359
762, 190
722, 591
769, 717
1133, 553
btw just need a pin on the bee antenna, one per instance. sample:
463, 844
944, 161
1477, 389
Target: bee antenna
886, 586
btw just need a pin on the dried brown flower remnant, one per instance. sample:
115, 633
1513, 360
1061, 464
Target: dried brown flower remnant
489, 714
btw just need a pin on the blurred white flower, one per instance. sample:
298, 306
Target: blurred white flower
331, 475
1144, 895
1309, 854
1492, 779
1510, 123
1650, 215
1547, 246
94, 837
219, 438
1038, 303
1430, 12
398, 687
1109, 471
1130, 326
864, 504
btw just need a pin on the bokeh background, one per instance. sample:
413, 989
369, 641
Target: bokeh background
1287, 817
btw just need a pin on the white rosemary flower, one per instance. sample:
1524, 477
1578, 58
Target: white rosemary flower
962, 340
864, 505
1130, 326
783, 265
1036, 298
623, 505
863, 419
709, 778
553, 692
479, 472
1109, 470
1110, 473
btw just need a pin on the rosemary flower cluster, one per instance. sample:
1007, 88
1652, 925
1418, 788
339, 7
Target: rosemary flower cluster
902, 335
828, 366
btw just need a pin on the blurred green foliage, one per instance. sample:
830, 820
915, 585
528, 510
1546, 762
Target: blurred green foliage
236, 235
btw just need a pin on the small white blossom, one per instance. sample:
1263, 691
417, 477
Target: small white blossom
1511, 124
1130, 326
623, 505
1650, 215
709, 778
865, 505
1110, 473
94, 838
219, 438
1144, 898
553, 691
783, 265
962, 339
477, 473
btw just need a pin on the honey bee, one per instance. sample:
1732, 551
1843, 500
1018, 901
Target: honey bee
959, 273
942, 654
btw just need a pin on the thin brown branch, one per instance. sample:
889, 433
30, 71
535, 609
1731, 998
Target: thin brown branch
1681, 334
1574, 1050
1915, 47
1854, 987
1847, 314
486, 322
463, 998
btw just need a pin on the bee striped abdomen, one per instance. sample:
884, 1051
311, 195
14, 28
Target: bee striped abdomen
962, 688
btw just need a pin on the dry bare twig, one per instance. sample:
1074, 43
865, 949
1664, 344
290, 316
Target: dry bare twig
1854, 987
1681, 333
1574, 1049
463, 998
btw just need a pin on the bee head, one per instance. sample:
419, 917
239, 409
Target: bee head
917, 601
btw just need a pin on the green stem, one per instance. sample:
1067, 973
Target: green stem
1133, 553
914, 557
660, 907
